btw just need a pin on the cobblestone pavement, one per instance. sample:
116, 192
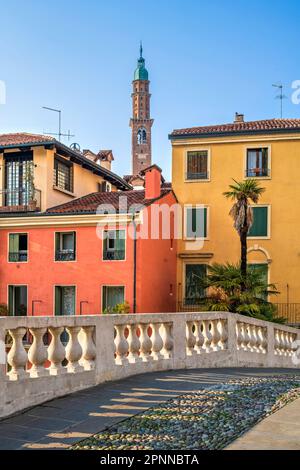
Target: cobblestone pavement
60, 423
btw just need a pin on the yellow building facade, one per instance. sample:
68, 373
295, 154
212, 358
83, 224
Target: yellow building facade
205, 161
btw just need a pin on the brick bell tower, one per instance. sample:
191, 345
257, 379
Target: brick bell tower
141, 122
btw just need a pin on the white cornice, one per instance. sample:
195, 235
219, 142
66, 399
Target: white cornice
205, 141
68, 220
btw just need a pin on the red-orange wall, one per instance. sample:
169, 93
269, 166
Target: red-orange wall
156, 270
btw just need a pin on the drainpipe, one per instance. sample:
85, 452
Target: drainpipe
134, 261
33, 304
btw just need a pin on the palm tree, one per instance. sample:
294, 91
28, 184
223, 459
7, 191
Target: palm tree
243, 193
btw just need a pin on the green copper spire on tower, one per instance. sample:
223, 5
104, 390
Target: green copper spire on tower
141, 72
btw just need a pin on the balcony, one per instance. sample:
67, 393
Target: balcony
114, 255
20, 200
65, 255
190, 176
18, 257
258, 172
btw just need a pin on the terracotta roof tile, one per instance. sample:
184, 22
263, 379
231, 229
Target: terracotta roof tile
270, 125
91, 202
23, 138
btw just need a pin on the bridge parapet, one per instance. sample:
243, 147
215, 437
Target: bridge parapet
45, 357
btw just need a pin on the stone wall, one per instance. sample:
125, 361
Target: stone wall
36, 364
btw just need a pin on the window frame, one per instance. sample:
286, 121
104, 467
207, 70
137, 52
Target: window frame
8, 242
70, 165
125, 244
268, 236
259, 145
201, 180
75, 298
193, 206
102, 293
27, 303
185, 263
75, 245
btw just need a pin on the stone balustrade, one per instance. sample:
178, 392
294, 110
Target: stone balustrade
45, 357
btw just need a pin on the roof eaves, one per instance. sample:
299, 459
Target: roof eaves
289, 130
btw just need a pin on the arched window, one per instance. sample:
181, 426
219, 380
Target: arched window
142, 136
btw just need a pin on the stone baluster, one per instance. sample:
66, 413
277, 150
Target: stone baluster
282, 343
287, 343
73, 350
247, 337
37, 353
254, 342
221, 326
157, 342
244, 337
146, 343
262, 340
199, 337
121, 345
277, 351
88, 357
239, 336
190, 339
207, 336
56, 351
17, 356
134, 345
168, 342
215, 336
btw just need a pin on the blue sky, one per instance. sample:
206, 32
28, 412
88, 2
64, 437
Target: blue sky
206, 60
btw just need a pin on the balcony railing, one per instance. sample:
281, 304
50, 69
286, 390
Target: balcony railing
24, 200
114, 255
196, 176
65, 255
18, 257
257, 172
290, 311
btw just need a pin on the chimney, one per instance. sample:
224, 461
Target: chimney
152, 181
239, 117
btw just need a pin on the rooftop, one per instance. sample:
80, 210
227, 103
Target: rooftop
241, 127
23, 139
89, 204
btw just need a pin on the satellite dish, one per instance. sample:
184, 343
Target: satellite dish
75, 146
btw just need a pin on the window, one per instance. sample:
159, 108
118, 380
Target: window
65, 246
260, 222
18, 247
193, 289
104, 187
64, 300
196, 222
257, 162
63, 174
114, 245
112, 296
141, 136
17, 301
197, 165
263, 268
19, 189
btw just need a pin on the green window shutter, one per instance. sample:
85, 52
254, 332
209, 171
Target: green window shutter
58, 301
57, 241
11, 300
196, 222
13, 243
260, 222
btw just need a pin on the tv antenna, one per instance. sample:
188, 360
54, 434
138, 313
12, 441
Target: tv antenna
280, 97
60, 134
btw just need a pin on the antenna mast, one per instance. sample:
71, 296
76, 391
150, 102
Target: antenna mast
280, 97
59, 133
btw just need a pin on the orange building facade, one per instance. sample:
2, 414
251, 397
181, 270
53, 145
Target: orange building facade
76, 259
